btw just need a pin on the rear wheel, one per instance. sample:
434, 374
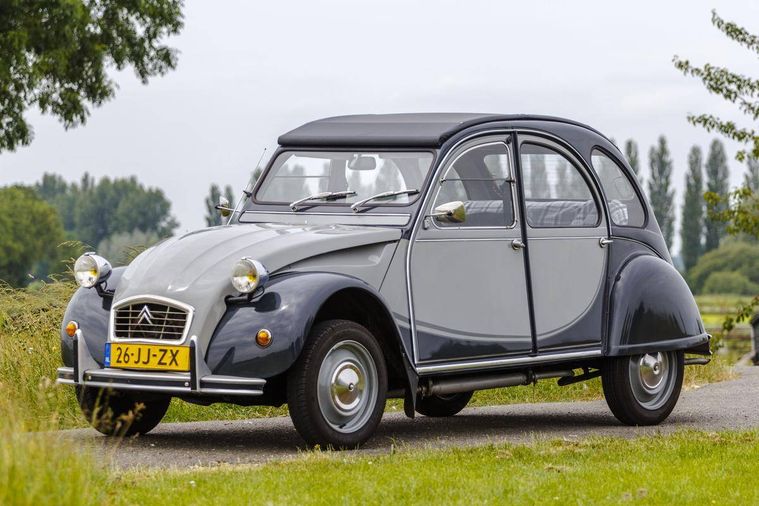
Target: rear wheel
336, 389
443, 405
119, 413
643, 389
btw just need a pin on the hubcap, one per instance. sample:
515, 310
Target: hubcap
347, 386
652, 377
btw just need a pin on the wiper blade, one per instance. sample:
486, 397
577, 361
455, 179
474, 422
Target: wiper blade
357, 206
322, 196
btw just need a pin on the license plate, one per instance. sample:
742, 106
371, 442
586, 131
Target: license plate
147, 356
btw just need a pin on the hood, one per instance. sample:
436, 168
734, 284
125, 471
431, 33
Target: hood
195, 268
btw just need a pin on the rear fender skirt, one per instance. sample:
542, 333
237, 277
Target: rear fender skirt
91, 312
287, 309
652, 309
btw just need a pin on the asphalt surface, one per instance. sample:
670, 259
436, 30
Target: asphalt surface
727, 405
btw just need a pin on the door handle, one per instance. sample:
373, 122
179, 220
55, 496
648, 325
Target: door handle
603, 242
517, 244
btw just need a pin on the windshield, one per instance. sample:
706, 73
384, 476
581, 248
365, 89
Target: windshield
296, 175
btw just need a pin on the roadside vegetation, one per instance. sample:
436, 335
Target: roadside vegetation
689, 467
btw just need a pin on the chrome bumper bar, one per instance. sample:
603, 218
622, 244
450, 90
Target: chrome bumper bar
199, 381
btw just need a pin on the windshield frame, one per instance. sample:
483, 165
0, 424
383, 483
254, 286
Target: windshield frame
342, 205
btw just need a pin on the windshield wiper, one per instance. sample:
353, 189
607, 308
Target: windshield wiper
357, 206
322, 196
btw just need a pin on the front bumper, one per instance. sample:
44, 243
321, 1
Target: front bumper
198, 381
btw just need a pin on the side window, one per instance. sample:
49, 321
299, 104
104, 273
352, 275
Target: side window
481, 178
555, 192
625, 208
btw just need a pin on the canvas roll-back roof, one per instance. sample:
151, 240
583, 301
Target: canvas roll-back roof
395, 130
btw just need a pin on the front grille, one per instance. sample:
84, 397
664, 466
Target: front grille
149, 320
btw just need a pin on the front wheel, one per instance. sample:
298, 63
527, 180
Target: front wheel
336, 389
119, 413
643, 389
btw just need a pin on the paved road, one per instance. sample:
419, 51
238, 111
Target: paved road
728, 405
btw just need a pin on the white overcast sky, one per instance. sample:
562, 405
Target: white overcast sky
249, 71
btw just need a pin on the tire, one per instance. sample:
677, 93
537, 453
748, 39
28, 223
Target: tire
643, 389
119, 413
443, 405
336, 389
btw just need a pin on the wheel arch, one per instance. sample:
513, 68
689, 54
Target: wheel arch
291, 305
653, 309
365, 307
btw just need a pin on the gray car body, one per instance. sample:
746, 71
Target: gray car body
639, 302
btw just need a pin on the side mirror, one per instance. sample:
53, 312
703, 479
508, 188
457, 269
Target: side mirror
223, 207
450, 212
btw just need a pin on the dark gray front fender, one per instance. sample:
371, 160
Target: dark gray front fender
92, 313
288, 309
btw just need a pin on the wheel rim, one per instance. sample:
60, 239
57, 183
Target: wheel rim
652, 377
347, 386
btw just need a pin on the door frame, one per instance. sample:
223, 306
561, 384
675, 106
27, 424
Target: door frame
512, 361
588, 172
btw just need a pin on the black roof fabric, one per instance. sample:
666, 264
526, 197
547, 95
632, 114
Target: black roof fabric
396, 130
374, 130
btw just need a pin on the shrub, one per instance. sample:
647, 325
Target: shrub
732, 256
730, 282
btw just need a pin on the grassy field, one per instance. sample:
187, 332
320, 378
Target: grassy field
685, 468
29, 356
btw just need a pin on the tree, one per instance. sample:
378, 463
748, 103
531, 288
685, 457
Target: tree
691, 227
631, 153
751, 177
717, 182
659, 192
122, 247
54, 56
213, 216
538, 183
740, 210
30, 233
94, 210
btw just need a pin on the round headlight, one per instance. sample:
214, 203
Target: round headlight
248, 275
90, 269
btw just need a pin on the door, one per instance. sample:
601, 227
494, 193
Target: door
468, 285
567, 238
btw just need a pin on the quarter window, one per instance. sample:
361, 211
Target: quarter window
555, 192
625, 208
481, 179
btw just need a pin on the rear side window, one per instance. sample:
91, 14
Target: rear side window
625, 208
556, 194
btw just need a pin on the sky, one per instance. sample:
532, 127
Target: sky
250, 71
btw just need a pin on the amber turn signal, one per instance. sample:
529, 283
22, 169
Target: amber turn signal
263, 338
71, 328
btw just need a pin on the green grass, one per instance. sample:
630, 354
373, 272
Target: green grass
688, 467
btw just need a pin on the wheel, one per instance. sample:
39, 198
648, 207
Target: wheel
119, 413
336, 389
443, 405
643, 389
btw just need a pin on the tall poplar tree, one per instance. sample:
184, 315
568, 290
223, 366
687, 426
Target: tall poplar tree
631, 153
692, 217
660, 191
717, 182
751, 177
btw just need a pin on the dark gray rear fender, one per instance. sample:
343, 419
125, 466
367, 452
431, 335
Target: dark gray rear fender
288, 309
652, 309
92, 313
